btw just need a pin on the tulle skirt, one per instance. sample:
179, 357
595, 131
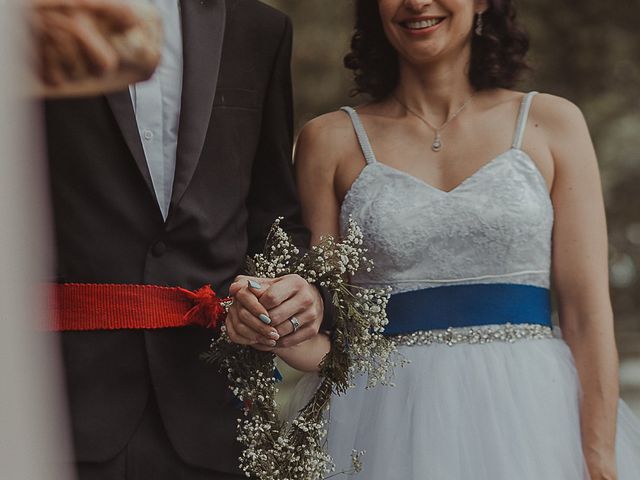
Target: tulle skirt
497, 411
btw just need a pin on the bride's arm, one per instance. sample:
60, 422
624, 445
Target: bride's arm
319, 153
580, 274
317, 156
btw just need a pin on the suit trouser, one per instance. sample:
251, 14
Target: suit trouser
149, 455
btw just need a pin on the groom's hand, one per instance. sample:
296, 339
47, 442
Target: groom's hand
280, 300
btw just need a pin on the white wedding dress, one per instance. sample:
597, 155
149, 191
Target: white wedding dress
482, 401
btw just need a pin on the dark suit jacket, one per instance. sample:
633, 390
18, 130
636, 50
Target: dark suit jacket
233, 178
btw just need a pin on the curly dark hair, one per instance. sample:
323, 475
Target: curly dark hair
497, 56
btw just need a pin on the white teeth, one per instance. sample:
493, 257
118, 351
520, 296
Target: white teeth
423, 23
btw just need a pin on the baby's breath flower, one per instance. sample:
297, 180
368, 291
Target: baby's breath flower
296, 450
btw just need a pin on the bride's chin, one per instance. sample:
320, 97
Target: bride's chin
430, 55
420, 60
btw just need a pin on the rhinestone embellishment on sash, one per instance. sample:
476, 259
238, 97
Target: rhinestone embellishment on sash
508, 333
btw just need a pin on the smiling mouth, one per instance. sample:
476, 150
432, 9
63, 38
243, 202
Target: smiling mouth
422, 24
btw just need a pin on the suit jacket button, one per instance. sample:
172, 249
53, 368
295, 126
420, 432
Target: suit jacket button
159, 249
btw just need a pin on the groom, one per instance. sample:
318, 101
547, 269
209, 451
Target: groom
172, 183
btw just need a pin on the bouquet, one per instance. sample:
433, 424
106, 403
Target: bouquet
277, 450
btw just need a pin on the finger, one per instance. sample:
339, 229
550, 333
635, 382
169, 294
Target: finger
302, 335
59, 47
286, 328
302, 300
279, 292
246, 299
70, 57
70, 33
116, 12
255, 284
241, 334
250, 327
244, 335
233, 335
252, 338
98, 51
282, 313
59, 4
51, 72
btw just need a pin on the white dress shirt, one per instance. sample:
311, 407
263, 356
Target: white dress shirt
156, 103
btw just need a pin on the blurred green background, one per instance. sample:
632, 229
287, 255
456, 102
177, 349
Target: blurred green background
588, 52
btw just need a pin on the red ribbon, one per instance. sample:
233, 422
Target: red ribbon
82, 307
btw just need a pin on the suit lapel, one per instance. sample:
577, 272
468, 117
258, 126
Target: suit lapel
120, 103
203, 25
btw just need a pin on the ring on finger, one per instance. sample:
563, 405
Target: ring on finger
296, 324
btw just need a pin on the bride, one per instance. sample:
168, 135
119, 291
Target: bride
473, 199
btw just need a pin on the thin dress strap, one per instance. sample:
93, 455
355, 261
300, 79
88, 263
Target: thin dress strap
523, 116
361, 133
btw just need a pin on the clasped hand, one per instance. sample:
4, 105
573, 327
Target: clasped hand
266, 312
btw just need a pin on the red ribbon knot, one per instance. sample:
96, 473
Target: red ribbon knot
208, 310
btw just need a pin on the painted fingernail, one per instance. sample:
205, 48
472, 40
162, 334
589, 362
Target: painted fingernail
255, 285
264, 319
272, 343
274, 335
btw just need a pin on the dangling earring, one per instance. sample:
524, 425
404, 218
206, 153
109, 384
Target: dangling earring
479, 24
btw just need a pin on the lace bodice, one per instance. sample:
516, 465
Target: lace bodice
495, 227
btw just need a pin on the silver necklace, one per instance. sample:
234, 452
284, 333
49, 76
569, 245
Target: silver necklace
437, 144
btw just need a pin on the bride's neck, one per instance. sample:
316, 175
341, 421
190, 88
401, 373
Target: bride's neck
435, 90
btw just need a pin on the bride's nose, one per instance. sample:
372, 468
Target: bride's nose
417, 5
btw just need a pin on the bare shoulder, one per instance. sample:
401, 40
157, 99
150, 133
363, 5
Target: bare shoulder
325, 140
557, 115
334, 126
565, 130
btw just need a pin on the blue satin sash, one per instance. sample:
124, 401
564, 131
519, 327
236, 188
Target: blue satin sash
459, 306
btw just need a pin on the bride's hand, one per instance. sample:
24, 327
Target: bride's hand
266, 310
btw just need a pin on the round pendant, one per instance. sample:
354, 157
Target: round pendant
436, 146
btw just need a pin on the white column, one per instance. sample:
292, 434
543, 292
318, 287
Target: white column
33, 436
